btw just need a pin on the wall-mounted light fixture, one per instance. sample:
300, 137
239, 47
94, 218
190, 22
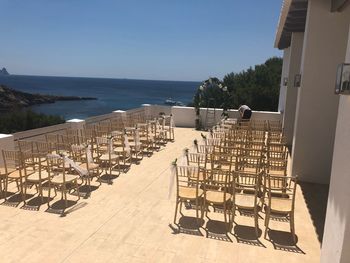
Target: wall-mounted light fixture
342, 82
285, 81
297, 80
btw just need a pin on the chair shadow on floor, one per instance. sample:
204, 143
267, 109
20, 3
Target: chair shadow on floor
85, 191
217, 230
59, 207
108, 178
188, 225
283, 240
14, 199
246, 235
36, 202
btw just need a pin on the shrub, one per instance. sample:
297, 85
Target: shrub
21, 120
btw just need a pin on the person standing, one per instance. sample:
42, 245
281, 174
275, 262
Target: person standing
245, 112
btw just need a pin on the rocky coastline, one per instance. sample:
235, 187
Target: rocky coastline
14, 99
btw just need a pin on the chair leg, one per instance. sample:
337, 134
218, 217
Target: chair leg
256, 217
292, 227
6, 187
49, 196
176, 207
267, 219
77, 187
41, 192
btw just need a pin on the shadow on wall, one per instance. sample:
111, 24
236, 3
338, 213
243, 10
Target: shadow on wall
316, 196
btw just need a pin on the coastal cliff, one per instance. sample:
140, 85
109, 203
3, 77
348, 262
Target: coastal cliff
12, 99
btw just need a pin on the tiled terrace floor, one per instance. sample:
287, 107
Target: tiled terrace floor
131, 221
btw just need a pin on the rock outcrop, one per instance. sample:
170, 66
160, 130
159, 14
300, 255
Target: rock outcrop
3, 72
11, 99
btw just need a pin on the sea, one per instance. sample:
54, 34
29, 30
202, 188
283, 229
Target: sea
111, 94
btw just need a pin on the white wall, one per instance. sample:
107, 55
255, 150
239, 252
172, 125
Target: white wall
323, 49
296, 48
284, 74
185, 116
336, 239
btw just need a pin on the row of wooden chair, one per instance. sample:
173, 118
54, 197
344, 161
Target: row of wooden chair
239, 168
66, 162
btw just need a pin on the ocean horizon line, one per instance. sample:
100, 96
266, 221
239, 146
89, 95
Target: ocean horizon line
136, 79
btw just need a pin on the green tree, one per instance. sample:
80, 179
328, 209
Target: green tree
257, 87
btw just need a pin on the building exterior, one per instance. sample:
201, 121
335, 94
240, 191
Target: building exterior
315, 38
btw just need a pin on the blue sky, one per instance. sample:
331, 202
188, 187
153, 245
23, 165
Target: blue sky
163, 39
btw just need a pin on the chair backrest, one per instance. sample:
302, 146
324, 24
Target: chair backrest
196, 159
247, 184
258, 136
25, 146
33, 162
213, 142
12, 160
56, 166
72, 132
275, 126
276, 166
281, 187
259, 125
245, 181
251, 160
277, 151
53, 138
43, 147
222, 161
187, 177
218, 181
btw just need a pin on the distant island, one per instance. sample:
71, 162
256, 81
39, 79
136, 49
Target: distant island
13, 99
3, 72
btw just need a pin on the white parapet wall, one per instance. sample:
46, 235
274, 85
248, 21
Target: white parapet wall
183, 117
186, 116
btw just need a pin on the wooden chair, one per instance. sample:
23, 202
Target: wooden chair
147, 138
275, 126
82, 155
122, 149
60, 179
25, 146
53, 138
37, 173
168, 127
245, 198
251, 161
106, 156
14, 171
280, 200
188, 189
218, 192
136, 146
259, 125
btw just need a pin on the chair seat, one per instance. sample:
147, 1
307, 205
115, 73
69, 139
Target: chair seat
217, 197
92, 166
133, 144
189, 193
58, 179
277, 173
280, 205
105, 157
34, 177
15, 174
244, 201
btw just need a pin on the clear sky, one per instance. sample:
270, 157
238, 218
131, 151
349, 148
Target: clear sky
144, 39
